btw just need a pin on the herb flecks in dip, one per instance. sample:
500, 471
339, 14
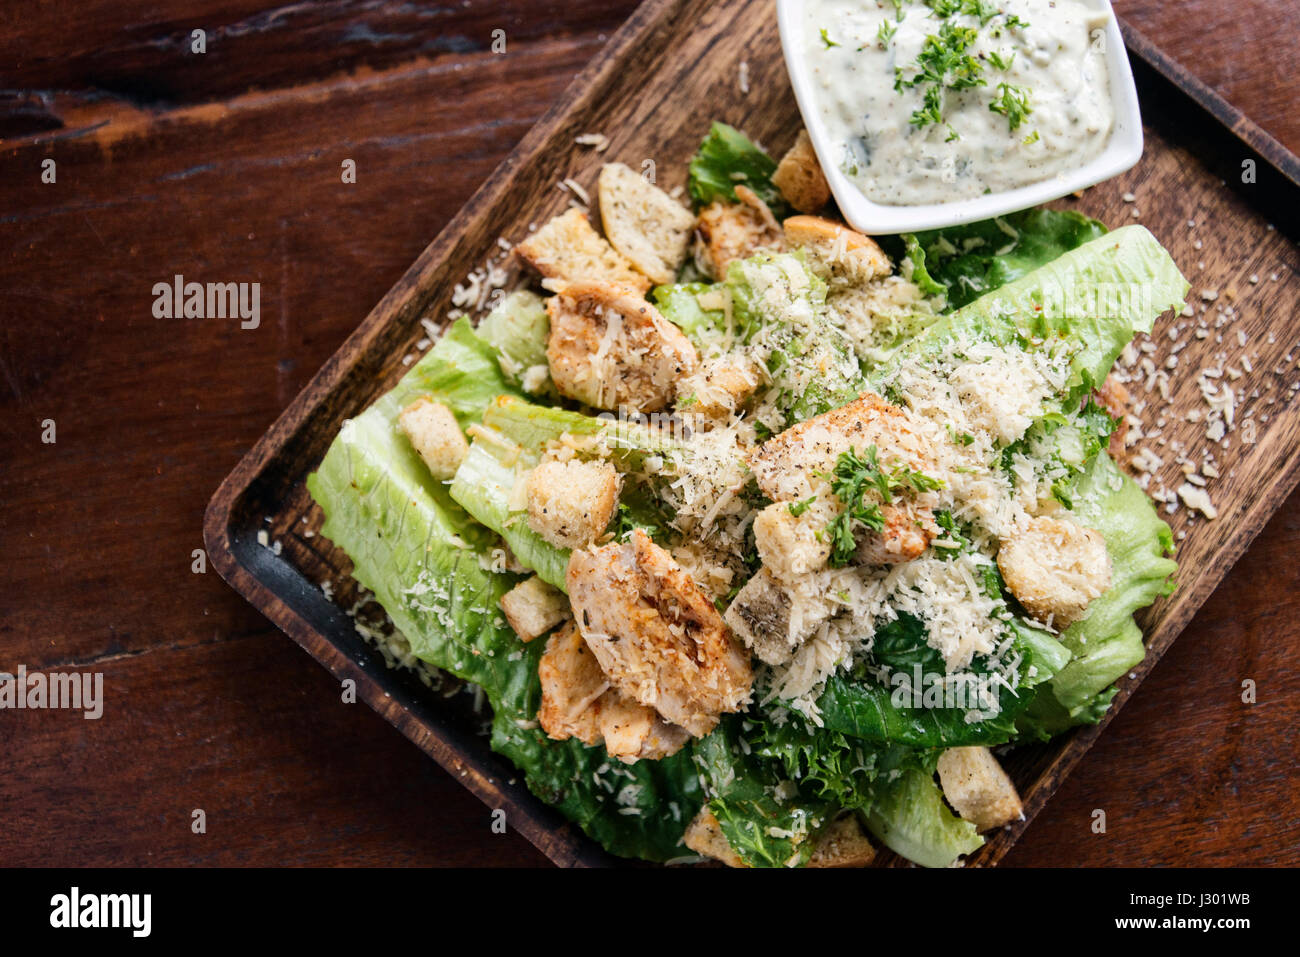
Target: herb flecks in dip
943, 100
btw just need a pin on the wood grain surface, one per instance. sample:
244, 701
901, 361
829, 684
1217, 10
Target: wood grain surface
171, 164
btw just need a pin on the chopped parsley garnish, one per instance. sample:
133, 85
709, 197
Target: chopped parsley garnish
853, 477
944, 63
827, 40
1000, 62
982, 10
1013, 103
952, 532
840, 531
960, 438
798, 508
625, 523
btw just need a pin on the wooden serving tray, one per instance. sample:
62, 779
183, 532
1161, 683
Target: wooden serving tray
674, 68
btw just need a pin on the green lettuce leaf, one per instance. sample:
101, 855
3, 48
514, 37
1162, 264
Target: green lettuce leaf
410, 543
429, 563
859, 706
1067, 442
812, 365
833, 767
1043, 655
1046, 717
727, 158
460, 371
863, 708
1097, 297
518, 329
911, 819
533, 426
639, 810
765, 818
1108, 642
964, 262
679, 304
482, 486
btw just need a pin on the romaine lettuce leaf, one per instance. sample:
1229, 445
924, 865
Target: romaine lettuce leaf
911, 819
728, 158
1066, 443
859, 706
679, 304
831, 766
965, 262
460, 371
483, 485
863, 708
763, 815
410, 543
1108, 642
533, 426
1043, 656
778, 300
518, 329
1097, 297
429, 564
513, 430
639, 810
1046, 717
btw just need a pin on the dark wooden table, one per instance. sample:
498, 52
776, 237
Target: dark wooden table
225, 166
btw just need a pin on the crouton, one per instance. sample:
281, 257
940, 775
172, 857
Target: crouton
843, 843
977, 787
839, 255
646, 225
737, 231
533, 608
1055, 568
610, 348
657, 636
436, 436
789, 546
571, 503
772, 620
719, 388
799, 177
568, 248
704, 836
578, 702
787, 466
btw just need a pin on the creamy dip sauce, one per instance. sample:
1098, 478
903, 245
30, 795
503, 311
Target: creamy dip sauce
1031, 102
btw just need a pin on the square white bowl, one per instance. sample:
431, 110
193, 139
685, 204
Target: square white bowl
1123, 149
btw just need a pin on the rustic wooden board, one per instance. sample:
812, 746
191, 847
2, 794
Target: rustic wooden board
664, 77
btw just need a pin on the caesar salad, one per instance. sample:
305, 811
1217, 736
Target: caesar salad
759, 535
